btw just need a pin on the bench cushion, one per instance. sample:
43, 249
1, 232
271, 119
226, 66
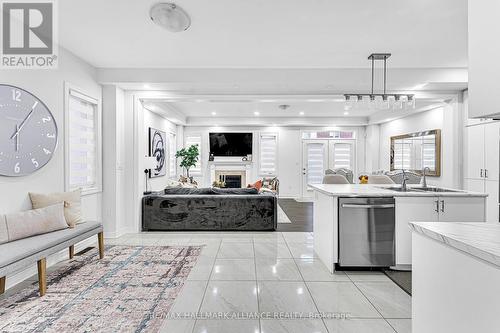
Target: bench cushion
23, 248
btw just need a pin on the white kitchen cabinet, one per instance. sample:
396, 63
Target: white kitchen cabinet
491, 150
483, 55
491, 187
482, 164
432, 209
475, 152
460, 209
411, 209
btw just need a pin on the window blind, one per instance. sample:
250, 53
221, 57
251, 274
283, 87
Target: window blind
268, 154
315, 163
195, 140
82, 143
342, 156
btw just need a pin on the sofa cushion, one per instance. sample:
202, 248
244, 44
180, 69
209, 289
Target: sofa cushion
187, 191
235, 191
35, 222
72, 204
4, 236
20, 249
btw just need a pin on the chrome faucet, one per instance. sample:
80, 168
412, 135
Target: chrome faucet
424, 176
403, 182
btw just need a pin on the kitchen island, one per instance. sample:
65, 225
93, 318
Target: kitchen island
456, 274
414, 205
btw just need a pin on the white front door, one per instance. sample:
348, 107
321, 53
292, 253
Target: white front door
314, 164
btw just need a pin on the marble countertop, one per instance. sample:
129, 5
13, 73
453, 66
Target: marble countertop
481, 240
363, 190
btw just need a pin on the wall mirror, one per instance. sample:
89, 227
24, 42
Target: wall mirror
416, 151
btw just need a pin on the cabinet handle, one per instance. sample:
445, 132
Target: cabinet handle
442, 206
437, 206
485, 173
481, 173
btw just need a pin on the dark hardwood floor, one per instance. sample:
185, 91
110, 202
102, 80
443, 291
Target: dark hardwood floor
300, 213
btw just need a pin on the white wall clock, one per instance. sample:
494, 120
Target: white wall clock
28, 132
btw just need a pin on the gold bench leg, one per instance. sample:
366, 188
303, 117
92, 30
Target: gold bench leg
100, 237
2, 285
71, 251
42, 276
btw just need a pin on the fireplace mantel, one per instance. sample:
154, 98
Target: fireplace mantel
244, 169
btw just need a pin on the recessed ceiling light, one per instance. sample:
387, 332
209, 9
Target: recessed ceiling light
147, 86
301, 113
214, 113
346, 113
170, 16
256, 113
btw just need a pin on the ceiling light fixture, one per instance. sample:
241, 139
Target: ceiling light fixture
170, 16
214, 113
380, 101
256, 113
301, 113
346, 113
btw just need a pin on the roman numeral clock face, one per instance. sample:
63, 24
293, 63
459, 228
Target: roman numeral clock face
28, 132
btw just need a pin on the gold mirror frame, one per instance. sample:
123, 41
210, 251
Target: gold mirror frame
437, 150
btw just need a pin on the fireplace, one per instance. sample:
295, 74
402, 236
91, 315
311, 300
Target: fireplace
232, 181
232, 178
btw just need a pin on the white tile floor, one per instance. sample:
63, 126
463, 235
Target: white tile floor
277, 272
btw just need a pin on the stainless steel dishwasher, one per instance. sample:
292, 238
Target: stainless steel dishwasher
366, 232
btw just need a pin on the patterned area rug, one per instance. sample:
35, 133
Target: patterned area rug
130, 290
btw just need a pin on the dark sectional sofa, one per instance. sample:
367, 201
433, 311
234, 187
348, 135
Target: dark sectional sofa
209, 209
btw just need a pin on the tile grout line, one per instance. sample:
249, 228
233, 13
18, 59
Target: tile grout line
307, 287
206, 286
256, 283
376, 309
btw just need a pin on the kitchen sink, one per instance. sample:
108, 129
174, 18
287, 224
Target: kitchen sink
420, 189
398, 189
434, 189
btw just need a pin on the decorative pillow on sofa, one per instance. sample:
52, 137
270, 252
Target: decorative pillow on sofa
33, 222
257, 185
72, 204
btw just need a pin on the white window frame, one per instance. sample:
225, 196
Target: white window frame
172, 160
276, 159
186, 145
72, 90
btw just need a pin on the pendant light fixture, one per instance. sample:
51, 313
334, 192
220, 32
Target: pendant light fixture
379, 100
170, 16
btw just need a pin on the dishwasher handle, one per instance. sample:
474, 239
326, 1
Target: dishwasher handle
368, 206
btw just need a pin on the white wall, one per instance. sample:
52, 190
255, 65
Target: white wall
289, 153
48, 85
113, 160
447, 118
154, 120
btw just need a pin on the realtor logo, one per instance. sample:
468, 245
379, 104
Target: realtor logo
28, 34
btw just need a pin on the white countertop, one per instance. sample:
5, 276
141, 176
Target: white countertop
372, 190
481, 240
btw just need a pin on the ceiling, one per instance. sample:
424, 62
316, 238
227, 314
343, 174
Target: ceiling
268, 34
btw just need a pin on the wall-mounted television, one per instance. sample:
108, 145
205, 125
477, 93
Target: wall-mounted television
231, 144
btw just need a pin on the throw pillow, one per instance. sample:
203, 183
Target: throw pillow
257, 185
35, 222
72, 204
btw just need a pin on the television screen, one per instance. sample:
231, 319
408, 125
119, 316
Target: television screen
231, 144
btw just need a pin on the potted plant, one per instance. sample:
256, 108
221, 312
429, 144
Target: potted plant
189, 157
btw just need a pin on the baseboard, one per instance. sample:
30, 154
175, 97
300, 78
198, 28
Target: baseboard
31, 272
